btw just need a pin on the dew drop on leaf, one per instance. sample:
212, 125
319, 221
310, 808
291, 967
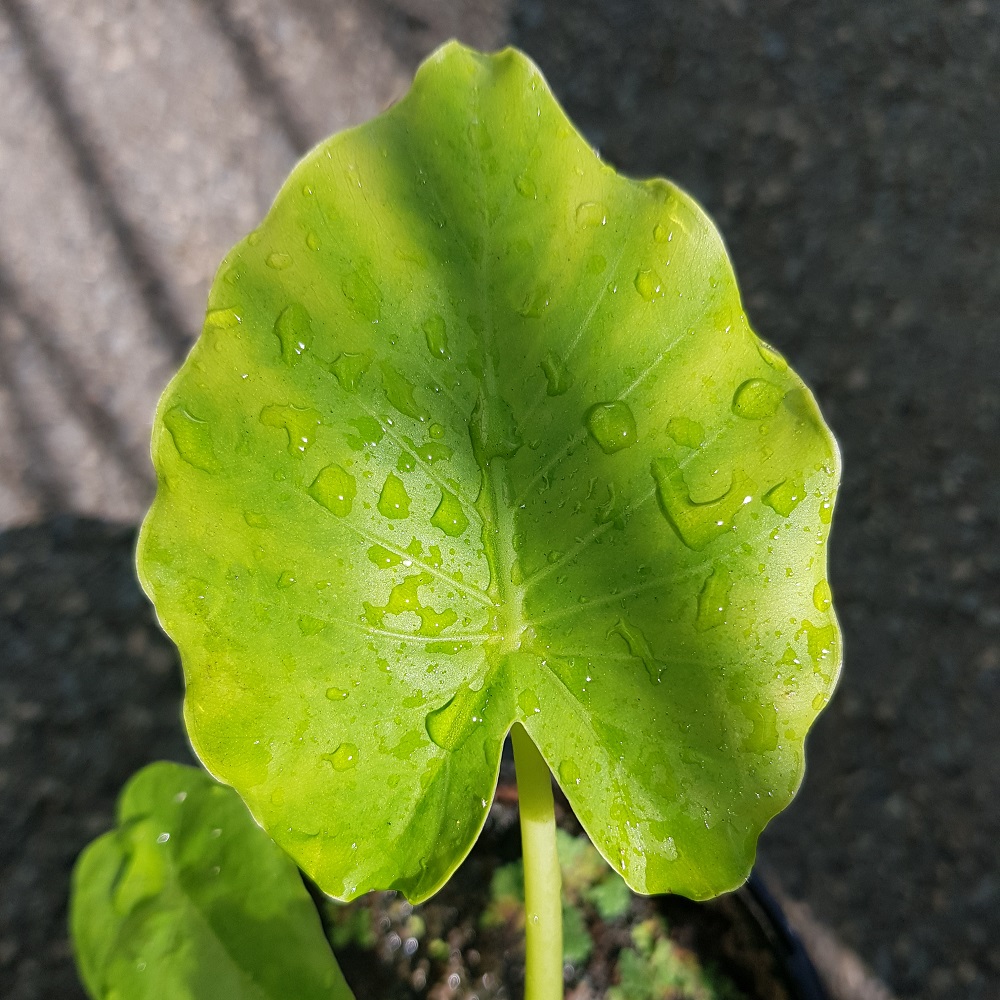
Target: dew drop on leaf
436, 431
399, 391
349, 369
312, 240
556, 374
222, 319
638, 646
686, 432
661, 234
343, 758
612, 426
590, 214
525, 187
569, 772
299, 423
697, 522
436, 335
363, 294
278, 260
383, 558
336, 694
713, 601
192, 438
449, 516
334, 488
784, 497
394, 501
648, 285
535, 303
293, 328
757, 398
527, 701
455, 721
822, 598
310, 625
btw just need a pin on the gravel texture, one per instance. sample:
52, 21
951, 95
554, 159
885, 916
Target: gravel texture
850, 153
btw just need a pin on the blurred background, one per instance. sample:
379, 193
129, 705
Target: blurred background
849, 152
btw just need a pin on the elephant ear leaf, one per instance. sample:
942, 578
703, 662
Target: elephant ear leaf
188, 899
477, 432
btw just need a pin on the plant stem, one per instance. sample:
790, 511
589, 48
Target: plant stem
543, 973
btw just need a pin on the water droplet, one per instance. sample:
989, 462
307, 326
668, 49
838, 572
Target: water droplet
192, 438
556, 374
310, 626
349, 369
697, 522
784, 497
822, 598
661, 234
312, 240
763, 736
406, 462
591, 214
528, 702
163, 838
688, 433
343, 758
299, 423
569, 772
254, 238
278, 260
363, 294
307, 190
399, 392
826, 511
670, 851
772, 357
394, 501
821, 642
449, 516
409, 742
222, 319
430, 451
293, 328
757, 398
436, 431
336, 694
334, 488
648, 285
493, 429
713, 601
436, 334
456, 720
383, 558
525, 187
256, 520
369, 433
535, 303
638, 646
612, 426
286, 579
819, 701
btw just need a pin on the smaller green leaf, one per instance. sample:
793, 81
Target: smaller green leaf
188, 899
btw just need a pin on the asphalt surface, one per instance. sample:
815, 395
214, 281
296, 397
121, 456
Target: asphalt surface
850, 154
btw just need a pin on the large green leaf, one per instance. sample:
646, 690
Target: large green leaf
188, 899
477, 432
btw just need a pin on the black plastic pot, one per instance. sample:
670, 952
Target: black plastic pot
792, 956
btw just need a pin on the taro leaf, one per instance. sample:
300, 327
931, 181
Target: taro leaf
476, 432
188, 899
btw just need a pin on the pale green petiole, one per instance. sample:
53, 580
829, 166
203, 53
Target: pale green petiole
542, 880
